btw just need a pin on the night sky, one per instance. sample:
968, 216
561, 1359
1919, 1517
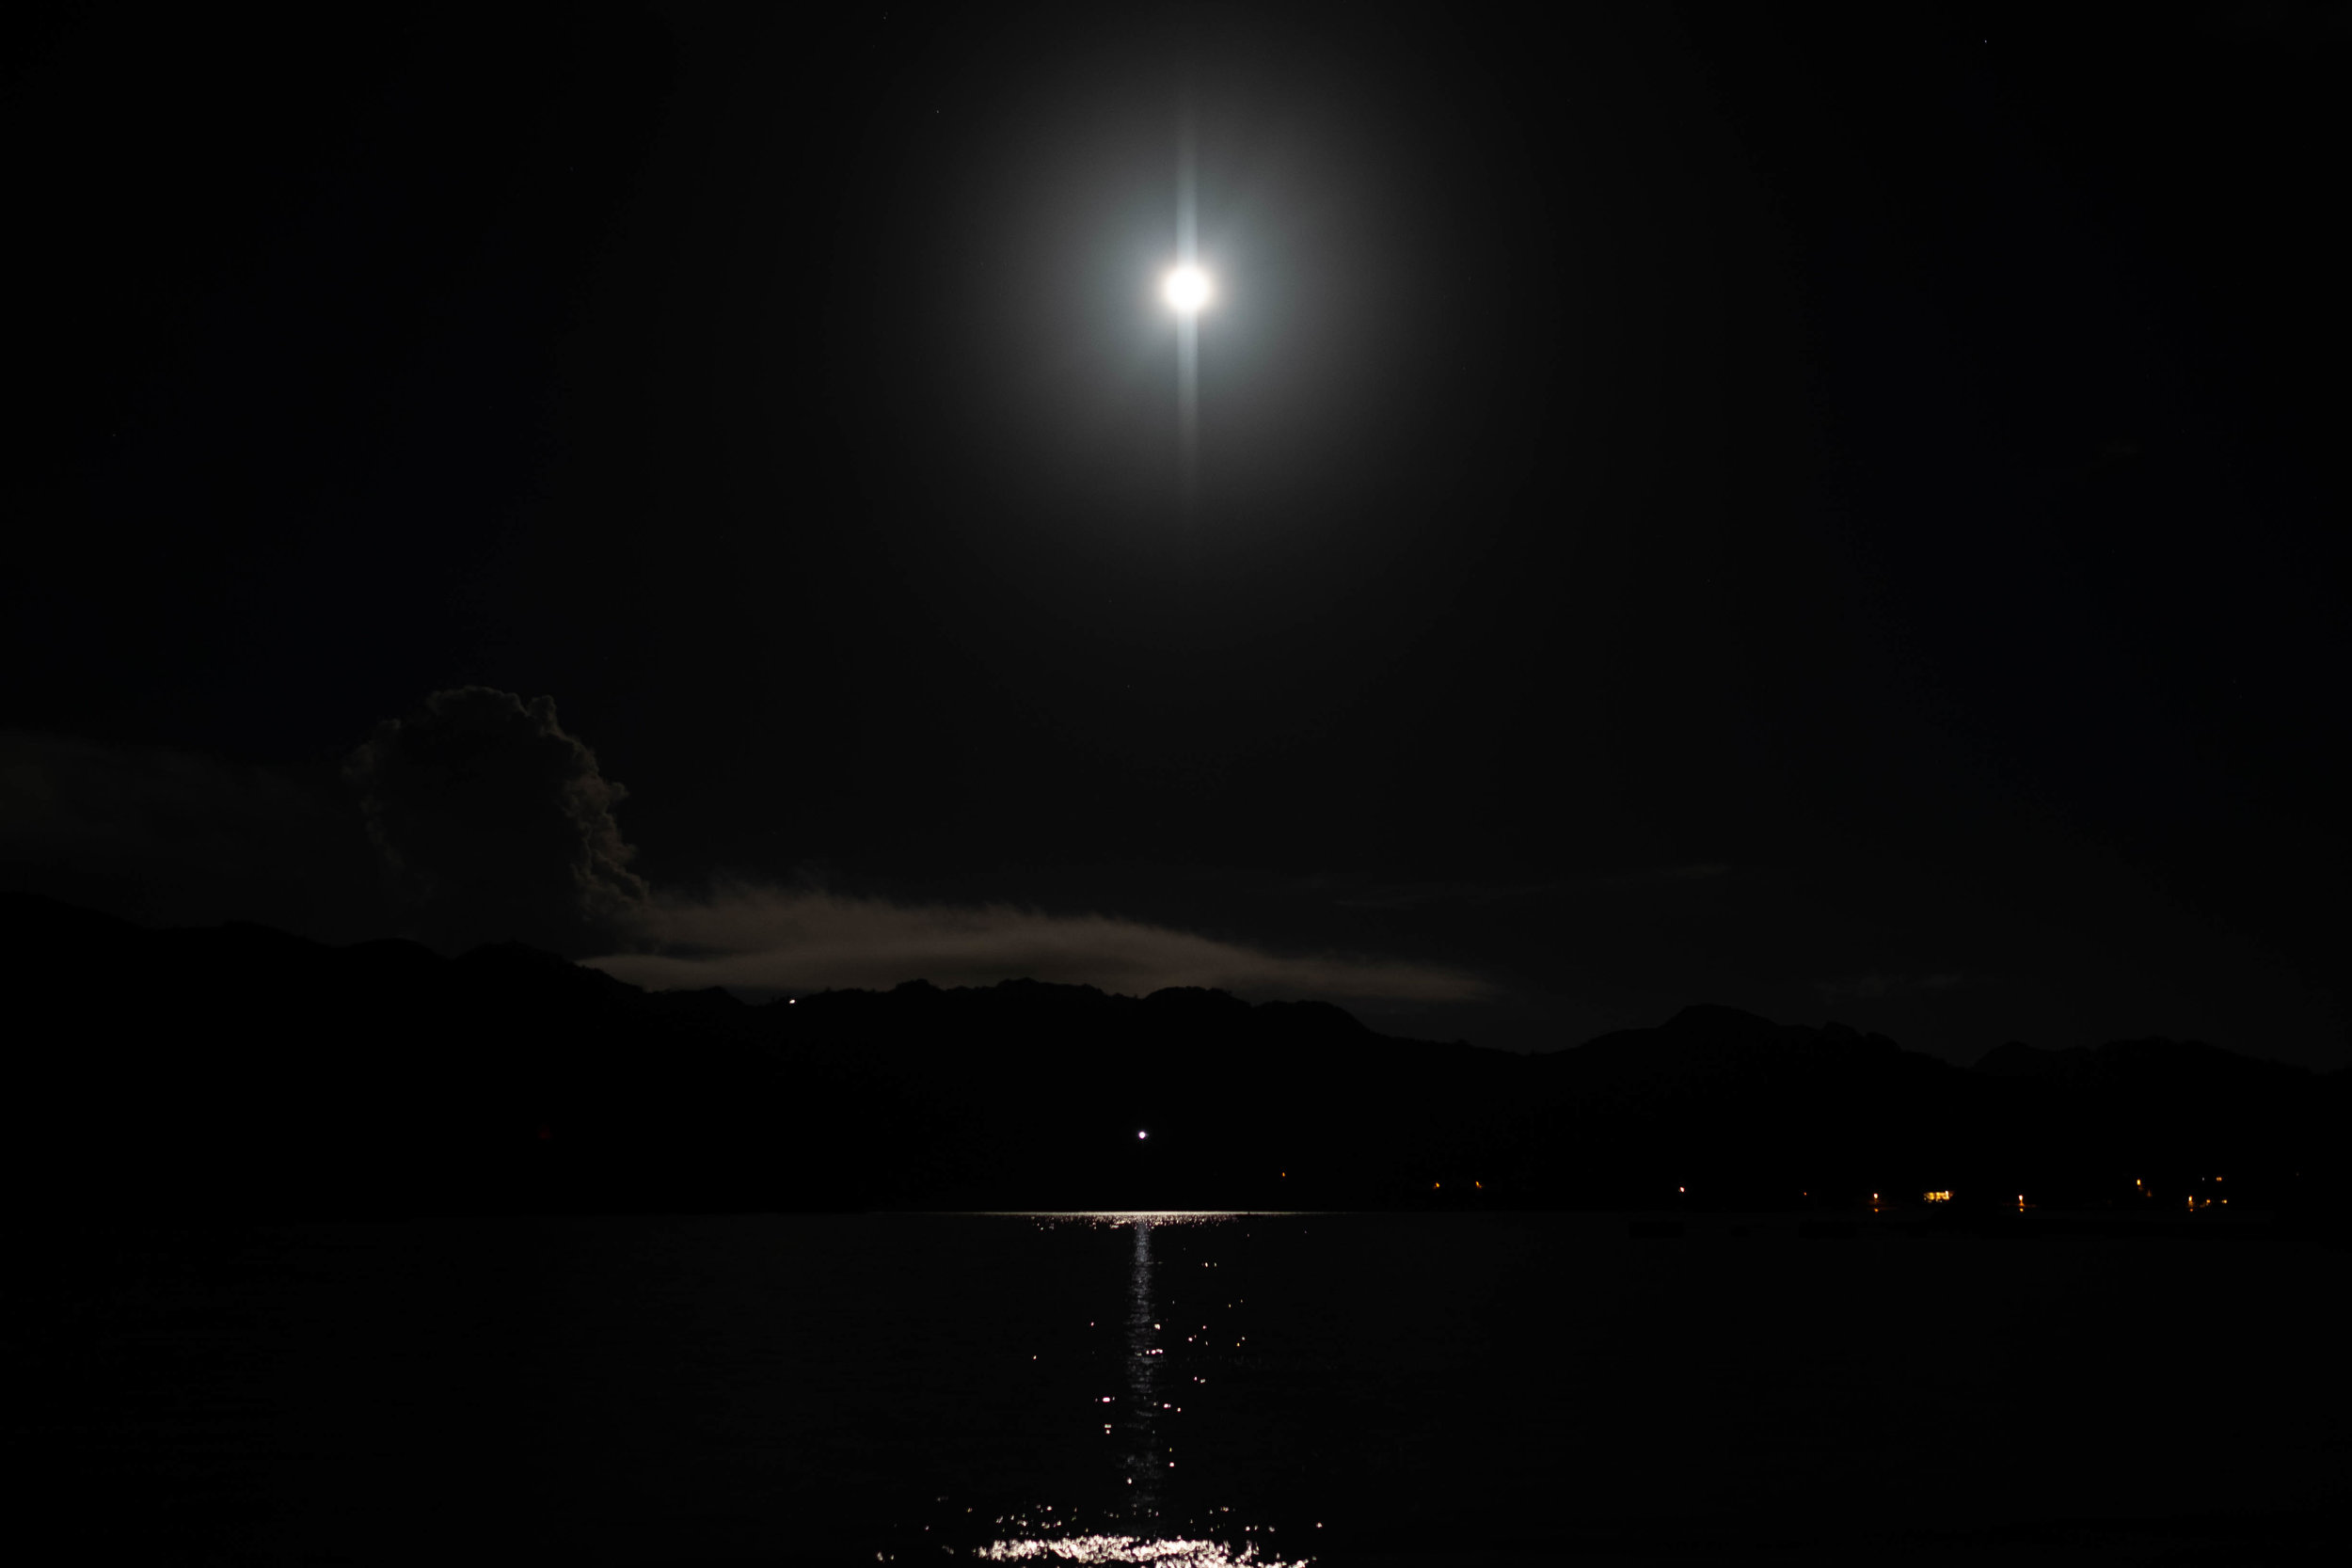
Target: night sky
1835, 513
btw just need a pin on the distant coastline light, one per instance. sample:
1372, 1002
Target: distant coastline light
1142, 1135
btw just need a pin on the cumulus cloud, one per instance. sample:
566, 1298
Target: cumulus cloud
485, 821
495, 824
802, 940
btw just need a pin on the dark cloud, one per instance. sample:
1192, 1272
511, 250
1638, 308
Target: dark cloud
494, 824
1872, 987
176, 837
1418, 895
65, 798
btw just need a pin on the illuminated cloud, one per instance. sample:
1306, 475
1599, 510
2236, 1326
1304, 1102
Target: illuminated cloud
788, 939
487, 821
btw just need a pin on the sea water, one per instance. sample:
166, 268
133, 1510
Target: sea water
1188, 1390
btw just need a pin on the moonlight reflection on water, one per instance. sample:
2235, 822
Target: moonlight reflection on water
1150, 1450
1361, 1388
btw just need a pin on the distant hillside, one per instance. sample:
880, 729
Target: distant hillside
242, 1068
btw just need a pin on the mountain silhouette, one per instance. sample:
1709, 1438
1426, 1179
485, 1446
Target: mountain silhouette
239, 1067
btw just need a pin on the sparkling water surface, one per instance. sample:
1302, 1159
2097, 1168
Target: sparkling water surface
1193, 1389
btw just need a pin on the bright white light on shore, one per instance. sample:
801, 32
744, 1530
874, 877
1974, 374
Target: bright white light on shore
1143, 1135
1186, 290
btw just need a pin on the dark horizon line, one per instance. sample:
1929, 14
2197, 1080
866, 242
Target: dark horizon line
2048, 1056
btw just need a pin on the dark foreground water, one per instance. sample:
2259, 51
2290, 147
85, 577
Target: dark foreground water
1341, 1388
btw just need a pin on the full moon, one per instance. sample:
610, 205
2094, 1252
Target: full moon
1186, 290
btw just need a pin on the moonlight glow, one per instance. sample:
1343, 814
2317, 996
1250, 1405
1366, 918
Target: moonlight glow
1187, 289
